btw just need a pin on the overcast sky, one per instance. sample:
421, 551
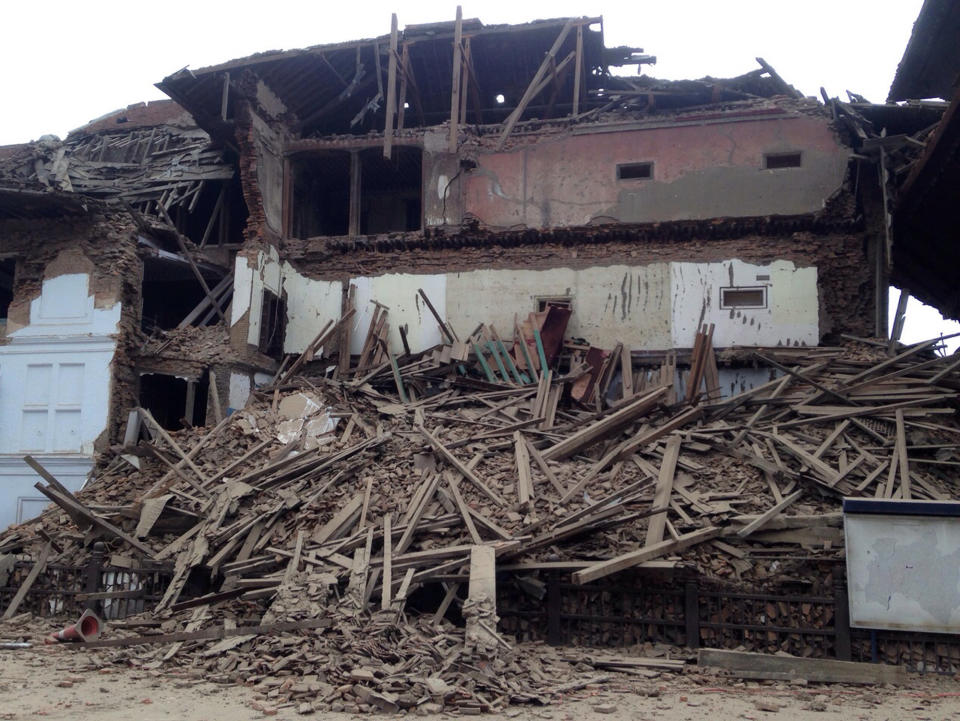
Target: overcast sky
66, 63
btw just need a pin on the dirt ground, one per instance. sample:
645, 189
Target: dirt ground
57, 682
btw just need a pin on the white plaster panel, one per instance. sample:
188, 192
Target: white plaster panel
65, 306
610, 303
791, 315
399, 293
239, 390
242, 288
310, 304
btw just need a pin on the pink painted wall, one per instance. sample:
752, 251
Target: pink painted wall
713, 168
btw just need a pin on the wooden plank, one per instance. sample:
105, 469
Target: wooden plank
769, 515
439, 448
524, 482
387, 564
72, 506
209, 634
391, 106
901, 449
35, 571
661, 496
578, 72
430, 487
647, 553
603, 427
544, 468
817, 670
448, 599
455, 88
819, 467
342, 517
397, 380
464, 511
533, 87
162, 432
626, 362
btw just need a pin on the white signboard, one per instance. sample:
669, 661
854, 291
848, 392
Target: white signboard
903, 564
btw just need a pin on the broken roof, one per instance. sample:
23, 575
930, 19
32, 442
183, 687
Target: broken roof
931, 63
142, 153
341, 87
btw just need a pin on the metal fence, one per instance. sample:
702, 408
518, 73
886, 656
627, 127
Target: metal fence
635, 608
112, 591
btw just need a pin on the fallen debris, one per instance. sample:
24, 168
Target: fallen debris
313, 544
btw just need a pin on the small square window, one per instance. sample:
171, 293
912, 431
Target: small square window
634, 171
775, 161
557, 301
742, 297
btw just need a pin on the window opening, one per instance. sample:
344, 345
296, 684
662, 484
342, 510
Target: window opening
390, 193
174, 401
557, 301
634, 171
8, 267
273, 323
743, 297
170, 292
775, 161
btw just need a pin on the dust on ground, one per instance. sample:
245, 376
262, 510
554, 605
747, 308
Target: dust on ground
59, 682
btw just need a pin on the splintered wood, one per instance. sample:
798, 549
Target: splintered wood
343, 489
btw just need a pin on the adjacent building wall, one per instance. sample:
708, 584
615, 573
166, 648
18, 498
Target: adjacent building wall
55, 375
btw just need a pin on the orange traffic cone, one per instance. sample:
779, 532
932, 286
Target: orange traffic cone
87, 628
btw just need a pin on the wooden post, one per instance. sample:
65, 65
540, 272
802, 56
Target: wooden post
354, 221
391, 89
225, 96
404, 70
578, 71
554, 608
691, 613
534, 87
190, 401
91, 575
841, 618
455, 91
481, 605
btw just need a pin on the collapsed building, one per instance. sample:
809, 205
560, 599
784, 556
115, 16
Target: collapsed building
517, 172
376, 211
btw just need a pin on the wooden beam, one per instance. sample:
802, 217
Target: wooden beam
391, 90
455, 91
38, 567
534, 86
661, 496
902, 462
464, 511
193, 266
785, 668
353, 223
524, 481
634, 558
603, 427
769, 515
72, 506
578, 71
387, 563
440, 449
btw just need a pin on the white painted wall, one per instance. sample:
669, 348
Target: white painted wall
650, 307
790, 318
54, 390
310, 303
